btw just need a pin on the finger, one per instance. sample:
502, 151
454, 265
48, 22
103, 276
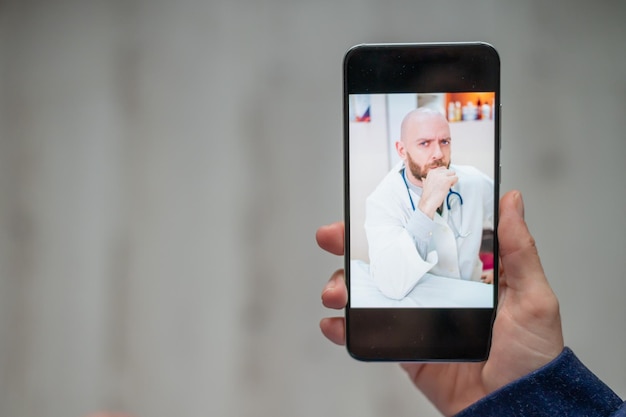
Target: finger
335, 293
517, 247
330, 238
437, 171
334, 328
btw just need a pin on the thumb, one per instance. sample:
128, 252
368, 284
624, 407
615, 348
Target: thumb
520, 259
330, 238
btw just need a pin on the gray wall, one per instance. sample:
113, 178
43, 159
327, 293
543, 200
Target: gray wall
164, 165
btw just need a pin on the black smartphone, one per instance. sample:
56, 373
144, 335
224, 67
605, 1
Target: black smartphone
421, 158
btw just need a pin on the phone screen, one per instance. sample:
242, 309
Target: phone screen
421, 144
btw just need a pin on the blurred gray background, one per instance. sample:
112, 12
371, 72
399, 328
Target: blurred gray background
164, 166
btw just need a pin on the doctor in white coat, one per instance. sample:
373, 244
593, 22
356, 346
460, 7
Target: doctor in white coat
427, 216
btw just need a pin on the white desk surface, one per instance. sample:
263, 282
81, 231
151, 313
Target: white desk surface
430, 291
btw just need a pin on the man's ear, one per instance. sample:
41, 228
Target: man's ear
400, 149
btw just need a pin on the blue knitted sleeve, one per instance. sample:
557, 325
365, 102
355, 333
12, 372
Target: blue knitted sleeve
563, 387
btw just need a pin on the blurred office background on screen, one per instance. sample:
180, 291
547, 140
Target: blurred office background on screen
164, 166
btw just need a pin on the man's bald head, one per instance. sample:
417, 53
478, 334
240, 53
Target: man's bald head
417, 117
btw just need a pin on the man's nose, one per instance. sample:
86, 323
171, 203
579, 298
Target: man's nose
437, 154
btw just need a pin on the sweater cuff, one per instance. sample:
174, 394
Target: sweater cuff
563, 387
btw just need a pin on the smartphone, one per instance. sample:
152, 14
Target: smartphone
422, 175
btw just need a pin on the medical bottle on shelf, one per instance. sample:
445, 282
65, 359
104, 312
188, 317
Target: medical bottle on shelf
486, 111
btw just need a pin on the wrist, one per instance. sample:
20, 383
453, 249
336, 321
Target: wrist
427, 208
563, 387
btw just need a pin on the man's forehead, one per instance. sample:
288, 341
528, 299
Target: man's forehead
431, 129
424, 123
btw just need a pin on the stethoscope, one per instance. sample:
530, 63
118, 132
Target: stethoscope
451, 193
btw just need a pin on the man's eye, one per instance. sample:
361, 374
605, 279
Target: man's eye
445, 142
425, 143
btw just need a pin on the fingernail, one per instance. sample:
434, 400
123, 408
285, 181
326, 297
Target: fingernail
519, 204
330, 285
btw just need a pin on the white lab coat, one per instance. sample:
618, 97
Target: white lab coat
395, 263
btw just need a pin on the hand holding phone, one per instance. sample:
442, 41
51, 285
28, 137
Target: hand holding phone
515, 351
